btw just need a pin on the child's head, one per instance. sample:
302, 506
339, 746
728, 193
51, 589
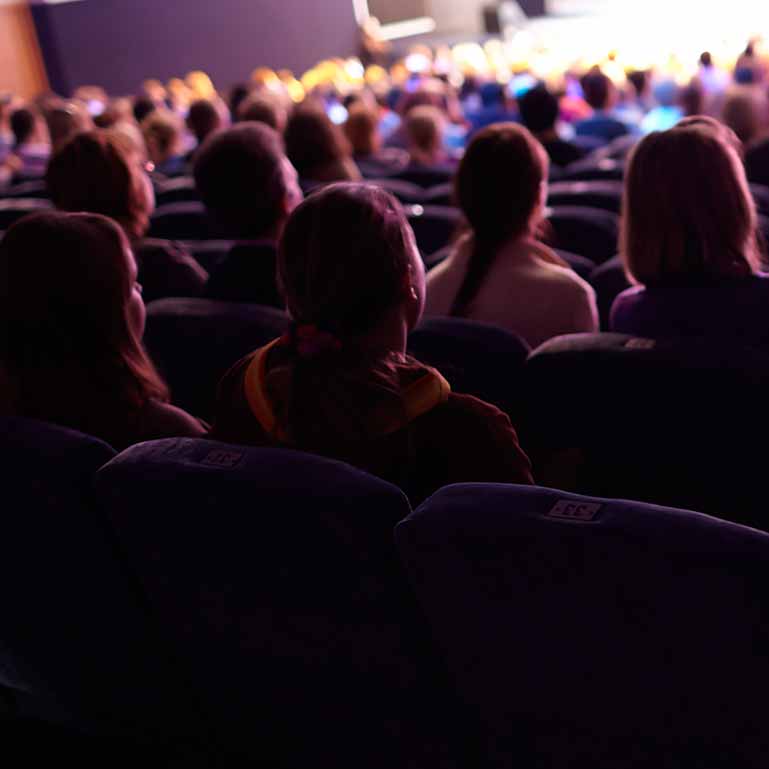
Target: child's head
348, 262
687, 208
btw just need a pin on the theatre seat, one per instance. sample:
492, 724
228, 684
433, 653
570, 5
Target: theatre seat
589, 169
434, 226
476, 359
609, 281
589, 232
77, 645
13, 209
276, 576
406, 192
195, 341
670, 422
605, 195
176, 190
180, 221
589, 632
426, 176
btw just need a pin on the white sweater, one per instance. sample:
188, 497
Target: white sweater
522, 292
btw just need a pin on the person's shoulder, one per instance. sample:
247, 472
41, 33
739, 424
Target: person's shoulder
468, 416
163, 420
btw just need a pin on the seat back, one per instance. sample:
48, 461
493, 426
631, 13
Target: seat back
434, 226
180, 221
176, 190
605, 195
426, 176
591, 632
670, 422
35, 188
476, 358
77, 645
195, 341
589, 232
592, 169
405, 191
276, 574
609, 281
13, 209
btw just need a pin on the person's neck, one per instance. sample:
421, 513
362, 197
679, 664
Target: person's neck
390, 336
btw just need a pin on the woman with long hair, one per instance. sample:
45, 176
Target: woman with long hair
102, 172
689, 239
340, 382
71, 322
500, 273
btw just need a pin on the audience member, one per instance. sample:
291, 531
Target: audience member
71, 322
340, 383
362, 131
500, 273
424, 136
317, 148
65, 121
100, 172
539, 113
745, 111
204, 119
264, 107
31, 142
689, 241
601, 94
162, 132
249, 188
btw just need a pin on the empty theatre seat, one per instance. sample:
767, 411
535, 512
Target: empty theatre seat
404, 191
589, 632
606, 195
589, 232
180, 221
670, 422
426, 176
434, 226
609, 281
276, 576
36, 188
589, 169
175, 190
13, 209
77, 646
476, 359
195, 341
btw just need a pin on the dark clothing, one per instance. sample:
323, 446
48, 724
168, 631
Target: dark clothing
167, 269
603, 126
731, 308
247, 274
425, 438
757, 162
562, 153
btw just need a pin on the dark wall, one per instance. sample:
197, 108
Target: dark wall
119, 43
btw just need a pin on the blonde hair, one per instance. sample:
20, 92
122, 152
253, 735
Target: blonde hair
687, 208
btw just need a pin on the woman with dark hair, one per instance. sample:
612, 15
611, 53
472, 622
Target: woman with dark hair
501, 273
101, 172
71, 322
317, 148
689, 239
340, 382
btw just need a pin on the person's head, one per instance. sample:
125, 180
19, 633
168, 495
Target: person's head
348, 261
71, 321
143, 107
264, 107
313, 141
692, 98
203, 119
162, 132
245, 181
237, 95
598, 90
706, 59
639, 80
362, 129
65, 121
425, 127
98, 171
688, 210
539, 109
501, 187
745, 112
27, 127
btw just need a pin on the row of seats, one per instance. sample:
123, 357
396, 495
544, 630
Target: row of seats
255, 601
666, 422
